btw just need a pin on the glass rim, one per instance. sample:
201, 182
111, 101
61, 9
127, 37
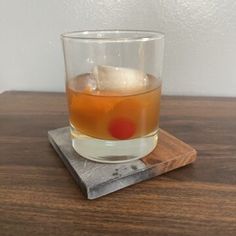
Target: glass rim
135, 35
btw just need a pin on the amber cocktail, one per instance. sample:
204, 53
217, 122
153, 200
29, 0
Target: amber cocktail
113, 115
114, 108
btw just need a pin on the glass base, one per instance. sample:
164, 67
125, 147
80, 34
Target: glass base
113, 151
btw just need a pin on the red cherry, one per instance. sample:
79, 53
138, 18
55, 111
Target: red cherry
122, 128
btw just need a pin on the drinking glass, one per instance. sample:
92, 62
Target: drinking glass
113, 87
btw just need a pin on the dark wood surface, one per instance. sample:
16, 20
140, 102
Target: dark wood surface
38, 196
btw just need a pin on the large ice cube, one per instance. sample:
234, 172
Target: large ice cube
119, 79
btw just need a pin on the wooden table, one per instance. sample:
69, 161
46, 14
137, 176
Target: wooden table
39, 197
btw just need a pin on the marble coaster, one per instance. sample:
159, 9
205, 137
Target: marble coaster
98, 179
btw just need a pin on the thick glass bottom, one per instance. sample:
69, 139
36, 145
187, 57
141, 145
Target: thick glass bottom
113, 151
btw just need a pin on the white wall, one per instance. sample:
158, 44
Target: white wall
200, 55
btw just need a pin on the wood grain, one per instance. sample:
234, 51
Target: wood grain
39, 197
